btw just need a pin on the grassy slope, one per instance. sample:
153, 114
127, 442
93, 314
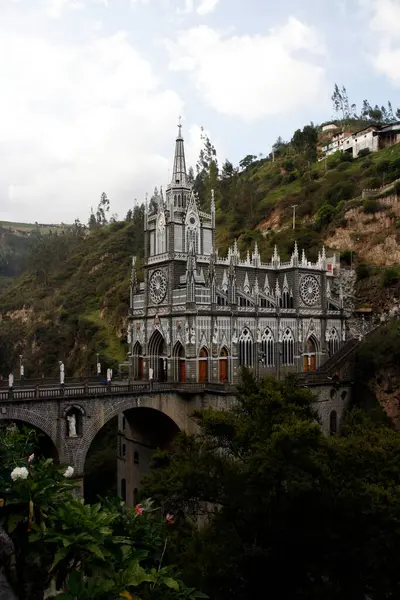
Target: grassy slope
267, 187
76, 309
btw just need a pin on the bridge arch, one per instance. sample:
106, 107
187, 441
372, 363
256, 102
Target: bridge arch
172, 406
36, 420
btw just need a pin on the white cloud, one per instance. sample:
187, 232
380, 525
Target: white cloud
252, 76
206, 6
385, 17
76, 121
384, 23
55, 8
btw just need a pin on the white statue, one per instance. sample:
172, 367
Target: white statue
234, 337
186, 334
129, 335
258, 335
192, 336
62, 374
215, 335
167, 334
71, 425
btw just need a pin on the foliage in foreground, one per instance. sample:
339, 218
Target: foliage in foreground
101, 551
284, 507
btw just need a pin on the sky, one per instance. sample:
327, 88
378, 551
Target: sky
92, 90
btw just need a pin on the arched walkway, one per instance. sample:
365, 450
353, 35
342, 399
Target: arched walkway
179, 363
158, 357
310, 355
137, 361
223, 365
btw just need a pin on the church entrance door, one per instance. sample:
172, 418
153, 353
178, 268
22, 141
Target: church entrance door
223, 365
182, 370
203, 366
310, 356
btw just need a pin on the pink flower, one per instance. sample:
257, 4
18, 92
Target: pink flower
30, 458
169, 518
139, 509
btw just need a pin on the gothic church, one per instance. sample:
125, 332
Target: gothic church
199, 317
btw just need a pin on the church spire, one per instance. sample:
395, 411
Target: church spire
179, 176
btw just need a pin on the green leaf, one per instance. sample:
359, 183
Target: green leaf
60, 555
171, 583
96, 551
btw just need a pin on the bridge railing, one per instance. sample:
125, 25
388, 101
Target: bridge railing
120, 388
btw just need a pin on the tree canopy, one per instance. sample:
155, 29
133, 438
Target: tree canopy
286, 510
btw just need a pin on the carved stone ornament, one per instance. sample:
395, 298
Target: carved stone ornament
158, 286
309, 290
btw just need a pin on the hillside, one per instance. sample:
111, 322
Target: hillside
16, 242
72, 300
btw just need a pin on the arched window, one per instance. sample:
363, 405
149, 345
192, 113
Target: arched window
333, 423
288, 348
136, 457
246, 349
123, 489
284, 300
161, 233
192, 238
267, 349
333, 342
123, 450
179, 200
175, 200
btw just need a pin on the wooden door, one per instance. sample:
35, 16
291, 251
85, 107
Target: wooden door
306, 365
223, 369
182, 371
140, 367
203, 370
313, 362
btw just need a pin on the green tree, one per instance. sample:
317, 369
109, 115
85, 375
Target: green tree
274, 491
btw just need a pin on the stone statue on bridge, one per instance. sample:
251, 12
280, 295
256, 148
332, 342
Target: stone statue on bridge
71, 425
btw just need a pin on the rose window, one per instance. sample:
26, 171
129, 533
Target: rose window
309, 290
158, 287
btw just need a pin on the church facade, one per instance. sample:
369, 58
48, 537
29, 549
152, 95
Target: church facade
199, 317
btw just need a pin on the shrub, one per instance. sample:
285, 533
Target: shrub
346, 157
396, 187
325, 214
362, 271
372, 183
391, 275
343, 166
347, 256
371, 206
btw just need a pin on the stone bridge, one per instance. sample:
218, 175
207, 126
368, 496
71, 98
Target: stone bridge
149, 414
151, 409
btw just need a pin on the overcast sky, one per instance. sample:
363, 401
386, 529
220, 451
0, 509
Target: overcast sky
91, 90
